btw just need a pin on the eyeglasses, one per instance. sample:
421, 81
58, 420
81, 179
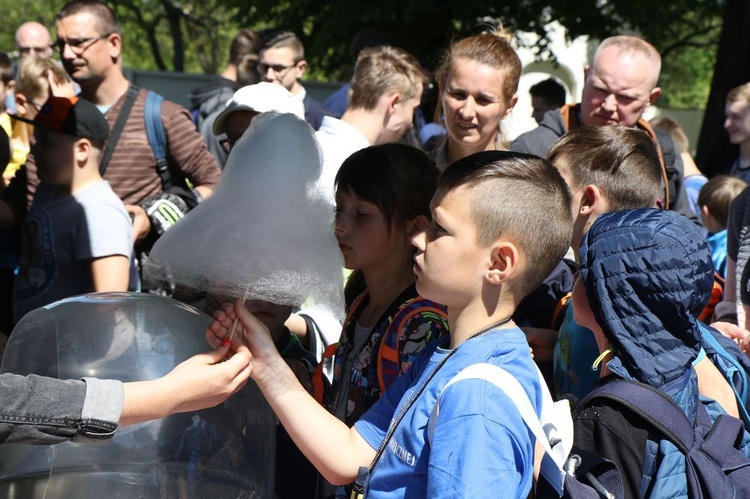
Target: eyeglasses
80, 45
37, 50
227, 144
36, 105
277, 68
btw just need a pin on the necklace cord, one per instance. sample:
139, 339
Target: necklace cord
405, 408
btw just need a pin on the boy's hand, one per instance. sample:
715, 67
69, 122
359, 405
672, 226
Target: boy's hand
249, 331
204, 381
733, 331
60, 88
141, 222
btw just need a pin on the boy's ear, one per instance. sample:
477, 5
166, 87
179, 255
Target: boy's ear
82, 150
417, 225
302, 67
391, 100
592, 202
21, 103
504, 260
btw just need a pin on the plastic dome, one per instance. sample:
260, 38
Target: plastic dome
224, 452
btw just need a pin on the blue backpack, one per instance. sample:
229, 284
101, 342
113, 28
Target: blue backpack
732, 363
714, 465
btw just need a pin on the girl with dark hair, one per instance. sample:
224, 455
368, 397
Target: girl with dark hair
382, 198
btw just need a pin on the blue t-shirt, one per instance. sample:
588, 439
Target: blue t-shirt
717, 243
693, 185
481, 447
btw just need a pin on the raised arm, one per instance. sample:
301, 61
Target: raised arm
336, 450
202, 381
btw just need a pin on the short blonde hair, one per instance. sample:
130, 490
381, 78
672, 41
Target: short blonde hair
384, 69
739, 94
671, 125
31, 80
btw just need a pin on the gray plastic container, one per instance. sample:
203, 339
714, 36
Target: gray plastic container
224, 452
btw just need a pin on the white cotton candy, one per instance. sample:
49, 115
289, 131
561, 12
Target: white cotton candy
266, 232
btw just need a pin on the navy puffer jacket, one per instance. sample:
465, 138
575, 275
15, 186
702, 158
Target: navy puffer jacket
647, 274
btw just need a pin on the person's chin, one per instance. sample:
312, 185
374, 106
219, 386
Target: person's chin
737, 139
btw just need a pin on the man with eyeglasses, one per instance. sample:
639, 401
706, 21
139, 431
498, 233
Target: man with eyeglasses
282, 61
33, 39
90, 48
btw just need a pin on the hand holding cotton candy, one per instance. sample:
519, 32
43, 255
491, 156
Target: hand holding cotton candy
267, 230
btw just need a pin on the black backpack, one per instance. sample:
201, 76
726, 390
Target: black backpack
715, 467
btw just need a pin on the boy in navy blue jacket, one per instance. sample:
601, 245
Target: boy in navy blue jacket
645, 275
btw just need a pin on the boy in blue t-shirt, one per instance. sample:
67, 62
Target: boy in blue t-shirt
479, 257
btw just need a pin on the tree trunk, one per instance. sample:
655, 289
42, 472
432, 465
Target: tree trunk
715, 153
174, 18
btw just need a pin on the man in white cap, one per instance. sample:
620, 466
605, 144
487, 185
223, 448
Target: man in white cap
247, 103
317, 326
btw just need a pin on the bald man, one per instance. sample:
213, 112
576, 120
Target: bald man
619, 86
33, 38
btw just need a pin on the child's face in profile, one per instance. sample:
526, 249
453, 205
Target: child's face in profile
449, 262
54, 155
271, 315
364, 236
585, 210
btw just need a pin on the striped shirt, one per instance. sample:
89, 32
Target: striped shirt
132, 168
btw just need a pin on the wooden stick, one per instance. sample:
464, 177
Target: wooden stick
233, 329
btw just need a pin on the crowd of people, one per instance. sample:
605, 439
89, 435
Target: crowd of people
584, 254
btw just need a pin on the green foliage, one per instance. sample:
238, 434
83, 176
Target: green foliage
174, 35
686, 78
16, 13
194, 35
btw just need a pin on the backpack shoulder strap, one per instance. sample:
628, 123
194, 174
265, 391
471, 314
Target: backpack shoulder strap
156, 138
317, 377
119, 125
650, 404
553, 431
737, 368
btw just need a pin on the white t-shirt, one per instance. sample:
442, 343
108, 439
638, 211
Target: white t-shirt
338, 140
